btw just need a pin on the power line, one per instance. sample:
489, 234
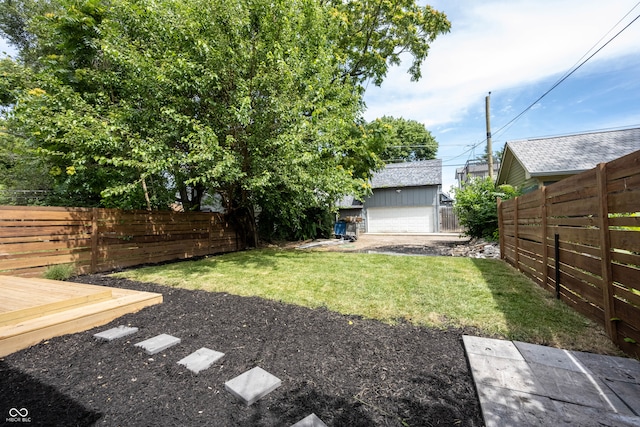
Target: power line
568, 74
571, 71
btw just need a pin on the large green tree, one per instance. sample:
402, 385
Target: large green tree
256, 100
403, 139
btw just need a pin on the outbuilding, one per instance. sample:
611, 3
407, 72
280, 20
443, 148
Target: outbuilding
405, 199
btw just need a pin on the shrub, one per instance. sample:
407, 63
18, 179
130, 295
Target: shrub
476, 206
59, 272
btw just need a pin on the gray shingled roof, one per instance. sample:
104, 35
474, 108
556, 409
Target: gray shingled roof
574, 153
409, 174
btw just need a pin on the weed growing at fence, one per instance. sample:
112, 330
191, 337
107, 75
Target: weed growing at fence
59, 272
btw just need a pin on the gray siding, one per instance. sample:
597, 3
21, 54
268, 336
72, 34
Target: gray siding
407, 196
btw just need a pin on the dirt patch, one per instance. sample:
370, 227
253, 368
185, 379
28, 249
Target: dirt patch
436, 245
347, 370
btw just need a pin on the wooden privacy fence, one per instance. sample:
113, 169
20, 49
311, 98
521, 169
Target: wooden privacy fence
93, 240
449, 221
580, 238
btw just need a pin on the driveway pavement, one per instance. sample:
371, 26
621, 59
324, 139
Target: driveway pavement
521, 384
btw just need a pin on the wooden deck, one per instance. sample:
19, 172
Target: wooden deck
33, 310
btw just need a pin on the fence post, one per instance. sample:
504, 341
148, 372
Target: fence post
501, 228
94, 240
605, 257
212, 221
556, 246
545, 247
515, 233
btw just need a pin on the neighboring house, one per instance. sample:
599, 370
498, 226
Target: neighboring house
533, 163
475, 169
405, 199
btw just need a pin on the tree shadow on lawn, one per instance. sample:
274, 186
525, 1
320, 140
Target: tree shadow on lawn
45, 406
514, 300
536, 323
257, 258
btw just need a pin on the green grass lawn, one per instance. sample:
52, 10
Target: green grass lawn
431, 291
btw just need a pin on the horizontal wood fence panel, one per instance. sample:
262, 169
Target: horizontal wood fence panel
38, 247
624, 333
623, 184
630, 313
584, 236
579, 274
583, 221
582, 262
529, 233
533, 214
125, 250
626, 202
46, 223
42, 261
578, 207
47, 232
581, 306
137, 229
626, 275
532, 207
628, 258
115, 240
32, 213
33, 239
574, 247
596, 216
134, 258
630, 295
626, 240
625, 221
574, 184
587, 291
623, 167
532, 247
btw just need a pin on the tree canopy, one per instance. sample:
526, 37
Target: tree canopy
404, 140
130, 103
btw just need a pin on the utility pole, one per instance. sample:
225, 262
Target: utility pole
489, 148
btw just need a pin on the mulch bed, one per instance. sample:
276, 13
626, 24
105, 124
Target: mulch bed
347, 370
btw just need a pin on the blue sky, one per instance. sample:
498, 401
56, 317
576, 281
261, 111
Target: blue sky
518, 49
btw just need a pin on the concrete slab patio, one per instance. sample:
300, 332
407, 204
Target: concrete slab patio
521, 384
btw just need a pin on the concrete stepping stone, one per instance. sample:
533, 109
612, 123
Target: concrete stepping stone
158, 343
201, 359
310, 421
115, 333
252, 385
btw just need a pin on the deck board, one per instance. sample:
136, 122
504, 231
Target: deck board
24, 299
33, 310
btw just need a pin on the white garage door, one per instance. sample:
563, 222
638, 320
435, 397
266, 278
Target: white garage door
414, 219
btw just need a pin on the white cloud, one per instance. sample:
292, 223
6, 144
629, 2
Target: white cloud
498, 44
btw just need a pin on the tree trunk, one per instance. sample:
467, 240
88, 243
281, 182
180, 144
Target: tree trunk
146, 193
